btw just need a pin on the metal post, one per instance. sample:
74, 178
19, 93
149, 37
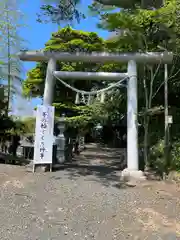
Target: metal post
49, 82
132, 171
166, 140
132, 132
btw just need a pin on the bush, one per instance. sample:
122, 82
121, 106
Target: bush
175, 156
157, 161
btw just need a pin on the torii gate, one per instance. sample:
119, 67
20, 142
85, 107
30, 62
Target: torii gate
132, 101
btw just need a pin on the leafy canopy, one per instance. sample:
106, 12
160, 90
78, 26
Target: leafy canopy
69, 10
70, 40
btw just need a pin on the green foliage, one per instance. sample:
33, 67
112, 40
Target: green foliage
10, 126
141, 31
28, 125
69, 40
11, 22
68, 10
83, 123
175, 155
149, 28
64, 11
157, 162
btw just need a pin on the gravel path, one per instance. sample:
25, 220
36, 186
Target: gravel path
84, 203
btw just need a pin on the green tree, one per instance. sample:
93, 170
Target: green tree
8, 125
69, 40
141, 31
63, 10
11, 69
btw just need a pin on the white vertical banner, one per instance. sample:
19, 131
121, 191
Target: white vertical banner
43, 145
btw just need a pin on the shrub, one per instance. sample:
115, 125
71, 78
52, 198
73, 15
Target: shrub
175, 156
156, 159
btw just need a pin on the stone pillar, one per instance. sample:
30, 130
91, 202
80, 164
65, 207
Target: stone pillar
49, 83
132, 170
132, 130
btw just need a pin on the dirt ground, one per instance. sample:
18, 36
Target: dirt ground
84, 200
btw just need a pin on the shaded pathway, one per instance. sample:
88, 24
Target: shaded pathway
105, 164
69, 205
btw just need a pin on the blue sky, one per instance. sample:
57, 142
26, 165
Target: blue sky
38, 34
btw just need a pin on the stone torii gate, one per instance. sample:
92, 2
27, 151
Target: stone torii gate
131, 58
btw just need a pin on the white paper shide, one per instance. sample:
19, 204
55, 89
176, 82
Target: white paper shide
43, 146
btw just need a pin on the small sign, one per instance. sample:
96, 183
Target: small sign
170, 119
43, 145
